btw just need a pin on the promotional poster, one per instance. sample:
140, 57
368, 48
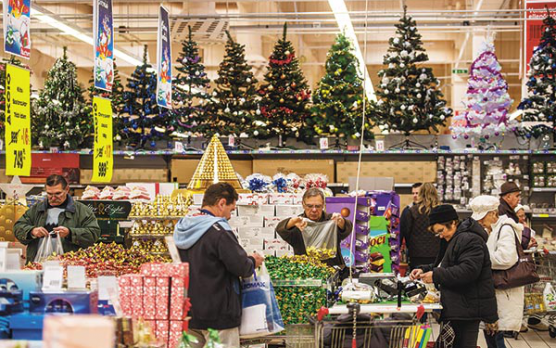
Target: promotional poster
164, 61
104, 44
17, 24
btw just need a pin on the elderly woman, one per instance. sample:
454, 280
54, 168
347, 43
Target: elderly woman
462, 274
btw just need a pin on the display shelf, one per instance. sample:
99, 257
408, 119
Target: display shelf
544, 215
154, 218
543, 189
149, 235
299, 282
387, 308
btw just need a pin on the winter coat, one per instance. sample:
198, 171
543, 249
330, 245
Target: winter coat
294, 237
420, 242
503, 255
526, 234
464, 276
216, 261
77, 217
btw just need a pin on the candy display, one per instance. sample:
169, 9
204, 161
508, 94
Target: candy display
109, 193
9, 214
152, 227
101, 258
151, 246
162, 206
454, 178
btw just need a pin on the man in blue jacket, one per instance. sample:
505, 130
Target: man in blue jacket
216, 261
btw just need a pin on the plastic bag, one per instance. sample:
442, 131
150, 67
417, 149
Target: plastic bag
321, 239
260, 312
48, 246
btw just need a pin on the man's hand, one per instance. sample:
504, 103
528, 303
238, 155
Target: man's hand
258, 259
62, 231
298, 222
426, 277
415, 274
340, 222
39, 232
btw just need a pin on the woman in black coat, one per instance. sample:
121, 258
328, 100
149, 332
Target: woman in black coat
462, 274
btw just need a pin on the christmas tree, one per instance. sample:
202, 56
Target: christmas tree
13, 61
234, 107
143, 121
190, 98
284, 105
409, 98
487, 100
539, 107
117, 98
338, 100
60, 116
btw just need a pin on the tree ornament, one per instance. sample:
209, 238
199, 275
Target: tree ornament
248, 80
227, 110
283, 76
415, 120
287, 53
281, 100
256, 133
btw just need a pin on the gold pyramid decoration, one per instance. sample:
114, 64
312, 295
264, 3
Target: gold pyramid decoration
215, 166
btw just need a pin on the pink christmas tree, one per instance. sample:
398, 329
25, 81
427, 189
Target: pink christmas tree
487, 100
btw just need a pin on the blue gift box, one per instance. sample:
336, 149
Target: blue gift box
26, 326
78, 302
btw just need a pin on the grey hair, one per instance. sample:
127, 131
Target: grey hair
313, 192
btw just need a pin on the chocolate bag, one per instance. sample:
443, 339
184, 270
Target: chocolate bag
48, 246
321, 239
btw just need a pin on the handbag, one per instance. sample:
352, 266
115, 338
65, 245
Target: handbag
524, 272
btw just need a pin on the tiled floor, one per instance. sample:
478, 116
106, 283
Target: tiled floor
530, 339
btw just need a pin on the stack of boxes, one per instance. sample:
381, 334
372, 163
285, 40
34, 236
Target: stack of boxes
158, 295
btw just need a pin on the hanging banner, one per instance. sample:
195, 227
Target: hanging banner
103, 160
18, 121
536, 12
104, 44
17, 25
164, 61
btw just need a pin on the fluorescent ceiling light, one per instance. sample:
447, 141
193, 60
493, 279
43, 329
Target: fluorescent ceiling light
58, 23
344, 23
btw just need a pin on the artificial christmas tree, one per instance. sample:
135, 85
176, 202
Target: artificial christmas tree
190, 98
234, 96
539, 107
143, 122
285, 96
338, 100
409, 97
117, 100
60, 115
487, 100
13, 61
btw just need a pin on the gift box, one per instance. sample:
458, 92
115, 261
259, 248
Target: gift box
162, 298
252, 199
255, 210
124, 290
177, 299
162, 331
24, 281
285, 198
149, 297
137, 297
84, 331
71, 302
289, 210
26, 326
176, 330
273, 221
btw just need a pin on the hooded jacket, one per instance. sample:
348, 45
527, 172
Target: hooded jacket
77, 217
464, 276
503, 255
216, 261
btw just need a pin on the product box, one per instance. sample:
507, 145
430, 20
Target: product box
300, 167
407, 172
162, 298
70, 302
289, 210
162, 330
273, 221
285, 198
26, 326
252, 199
83, 331
149, 297
177, 299
198, 198
246, 221
255, 210
24, 281
256, 232
45, 164
176, 329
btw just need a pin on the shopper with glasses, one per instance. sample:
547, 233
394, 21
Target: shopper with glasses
291, 229
61, 217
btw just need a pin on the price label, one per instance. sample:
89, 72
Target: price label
172, 249
18, 121
76, 278
323, 143
379, 145
103, 161
178, 146
53, 276
231, 140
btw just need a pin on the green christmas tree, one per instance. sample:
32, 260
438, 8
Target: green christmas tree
143, 121
234, 96
338, 100
60, 116
409, 97
285, 96
190, 98
13, 61
539, 107
117, 100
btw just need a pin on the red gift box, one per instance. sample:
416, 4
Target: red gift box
149, 298
162, 297
163, 331
124, 284
177, 299
176, 329
136, 295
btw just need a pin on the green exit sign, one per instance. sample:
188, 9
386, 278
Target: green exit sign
460, 71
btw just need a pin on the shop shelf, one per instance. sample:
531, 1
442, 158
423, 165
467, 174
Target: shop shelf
543, 189
155, 218
149, 235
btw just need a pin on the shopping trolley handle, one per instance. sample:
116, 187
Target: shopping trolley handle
323, 312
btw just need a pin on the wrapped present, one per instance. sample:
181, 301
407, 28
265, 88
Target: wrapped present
176, 330
177, 299
162, 297
149, 298
124, 283
162, 331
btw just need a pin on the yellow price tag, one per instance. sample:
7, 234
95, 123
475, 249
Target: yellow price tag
544, 215
18, 121
103, 158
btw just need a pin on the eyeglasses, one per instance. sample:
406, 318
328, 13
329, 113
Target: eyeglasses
314, 206
57, 194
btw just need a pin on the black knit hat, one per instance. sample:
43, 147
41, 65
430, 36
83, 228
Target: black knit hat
442, 213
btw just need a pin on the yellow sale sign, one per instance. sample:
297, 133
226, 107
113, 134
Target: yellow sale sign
103, 160
18, 121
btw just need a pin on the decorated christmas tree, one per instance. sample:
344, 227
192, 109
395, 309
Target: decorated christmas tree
190, 98
539, 107
60, 116
285, 96
13, 61
338, 100
487, 100
117, 97
234, 96
143, 122
409, 97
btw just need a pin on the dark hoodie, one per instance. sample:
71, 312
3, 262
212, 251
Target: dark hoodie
464, 276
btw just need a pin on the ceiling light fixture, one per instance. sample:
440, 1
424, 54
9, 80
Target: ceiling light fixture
344, 23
